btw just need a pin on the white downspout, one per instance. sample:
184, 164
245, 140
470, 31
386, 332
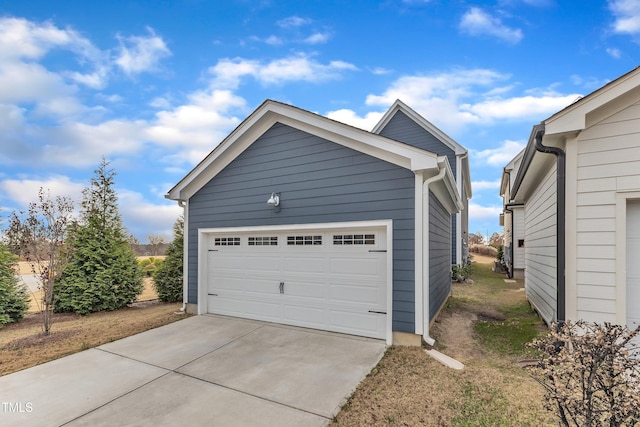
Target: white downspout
425, 293
459, 184
185, 251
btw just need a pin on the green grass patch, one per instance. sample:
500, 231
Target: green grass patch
480, 406
510, 336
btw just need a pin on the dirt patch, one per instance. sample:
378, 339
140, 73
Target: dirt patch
454, 334
40, 339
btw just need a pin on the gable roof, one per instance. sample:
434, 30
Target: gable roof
271, 112
584, 111
593, 108
421, 121
512, 166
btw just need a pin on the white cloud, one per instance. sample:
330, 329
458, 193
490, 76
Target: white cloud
460, 97
519, 107
138, 54
485, 185
484, 213
20, 38
293, 22
351, 118
25, 191
627, 16
614, 52
380, 71
273, 40
502, 155
477, 22
197, 127
141, 215
227, 73
160, 102
317, 38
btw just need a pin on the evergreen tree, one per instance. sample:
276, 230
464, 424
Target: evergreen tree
168, 277
103, 272
14, 300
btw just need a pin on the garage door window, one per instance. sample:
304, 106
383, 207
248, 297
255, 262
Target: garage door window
354, 239
227, 241
304, 240
263, 241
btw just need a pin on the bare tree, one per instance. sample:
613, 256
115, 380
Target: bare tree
496, 240
38, 236
476, 238
155, 242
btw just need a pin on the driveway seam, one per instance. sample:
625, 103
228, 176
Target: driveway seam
254, 395
120, 396
175, 371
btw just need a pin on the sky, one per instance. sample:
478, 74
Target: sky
154, 86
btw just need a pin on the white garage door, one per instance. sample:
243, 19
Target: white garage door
333, 280
633, 264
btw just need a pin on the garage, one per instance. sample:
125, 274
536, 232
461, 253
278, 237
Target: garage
329, 277
633, 267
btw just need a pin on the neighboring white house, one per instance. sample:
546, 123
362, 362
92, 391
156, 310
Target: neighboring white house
512, 219
579, 184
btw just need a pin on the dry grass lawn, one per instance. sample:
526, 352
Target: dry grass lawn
409, 388
23, 345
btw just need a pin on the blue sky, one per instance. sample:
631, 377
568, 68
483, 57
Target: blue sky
154, 86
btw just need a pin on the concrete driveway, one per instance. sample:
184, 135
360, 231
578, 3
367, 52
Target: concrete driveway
204, 370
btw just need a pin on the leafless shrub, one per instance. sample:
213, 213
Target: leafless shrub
489, 251
591, 373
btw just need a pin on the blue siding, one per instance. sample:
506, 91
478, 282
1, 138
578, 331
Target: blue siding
403, 129
439, 250
318, 181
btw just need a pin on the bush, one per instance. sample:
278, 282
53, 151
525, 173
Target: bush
460, 272
489, 251
591, 374
167, 278
500, 253
14, 298
150, 265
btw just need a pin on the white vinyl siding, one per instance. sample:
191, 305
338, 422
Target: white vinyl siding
540, 240
608, 162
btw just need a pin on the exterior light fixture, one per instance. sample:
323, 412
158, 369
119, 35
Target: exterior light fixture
274, 200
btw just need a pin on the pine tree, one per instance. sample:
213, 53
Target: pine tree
168, 277
103, 272
14, 300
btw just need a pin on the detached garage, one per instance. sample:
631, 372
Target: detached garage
301, 220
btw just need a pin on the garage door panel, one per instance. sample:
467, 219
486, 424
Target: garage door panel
297, 263
324, 286
260, 310
369, 295
369, 267
365, 324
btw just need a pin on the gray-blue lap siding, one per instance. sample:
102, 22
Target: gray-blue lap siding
402, 128
439, 255
319, 181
